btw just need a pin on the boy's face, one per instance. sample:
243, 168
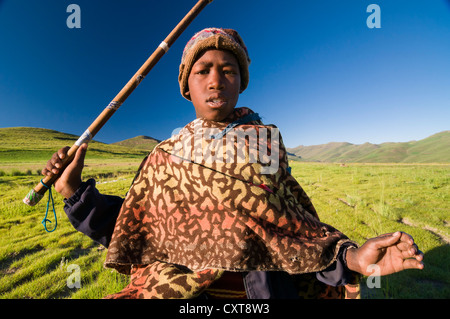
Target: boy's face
214, 84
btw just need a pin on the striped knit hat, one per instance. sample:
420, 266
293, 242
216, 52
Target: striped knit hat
213, 38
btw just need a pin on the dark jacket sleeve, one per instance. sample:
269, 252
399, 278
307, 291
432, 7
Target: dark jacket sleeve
338, 274
92, 213
279, 284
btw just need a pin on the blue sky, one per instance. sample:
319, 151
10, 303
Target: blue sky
318, 72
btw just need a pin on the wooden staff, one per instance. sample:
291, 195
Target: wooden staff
36, 194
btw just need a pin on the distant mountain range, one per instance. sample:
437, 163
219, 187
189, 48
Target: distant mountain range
433, 149
31, 144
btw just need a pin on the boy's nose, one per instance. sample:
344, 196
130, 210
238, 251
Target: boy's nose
216, 81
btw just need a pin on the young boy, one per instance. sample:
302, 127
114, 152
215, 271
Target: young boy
210, 215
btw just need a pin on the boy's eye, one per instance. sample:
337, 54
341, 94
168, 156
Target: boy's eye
207, 71
203, 71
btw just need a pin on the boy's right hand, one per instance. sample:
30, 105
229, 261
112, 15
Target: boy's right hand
70, 179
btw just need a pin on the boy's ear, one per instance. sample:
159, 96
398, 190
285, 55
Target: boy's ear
187, 93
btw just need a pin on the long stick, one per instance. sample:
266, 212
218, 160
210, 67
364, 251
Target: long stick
36, 194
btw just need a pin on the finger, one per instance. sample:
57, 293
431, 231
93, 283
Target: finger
406, 238
54, 163
413, 264
49, 170
411, 252
62, 153
46, 172
419, 256
405, 246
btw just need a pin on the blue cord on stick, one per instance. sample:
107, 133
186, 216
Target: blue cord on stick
45, 220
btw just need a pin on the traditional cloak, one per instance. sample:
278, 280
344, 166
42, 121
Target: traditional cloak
217, 196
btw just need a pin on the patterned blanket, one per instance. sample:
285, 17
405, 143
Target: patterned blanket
216, 197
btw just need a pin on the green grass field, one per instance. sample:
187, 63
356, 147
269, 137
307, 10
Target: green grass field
361, 200
366, 200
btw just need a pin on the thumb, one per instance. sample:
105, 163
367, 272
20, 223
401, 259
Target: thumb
70, 178
80, 154
387, 240
77, 163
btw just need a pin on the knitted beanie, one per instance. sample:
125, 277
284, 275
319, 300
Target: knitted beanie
213, 38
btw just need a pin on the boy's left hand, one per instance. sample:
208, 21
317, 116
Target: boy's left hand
391, 252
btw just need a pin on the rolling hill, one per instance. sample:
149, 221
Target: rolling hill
37, 144
139, 142
433, 149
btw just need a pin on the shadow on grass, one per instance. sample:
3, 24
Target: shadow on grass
433, 282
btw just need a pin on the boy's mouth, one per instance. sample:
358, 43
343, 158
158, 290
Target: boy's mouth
216, 101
